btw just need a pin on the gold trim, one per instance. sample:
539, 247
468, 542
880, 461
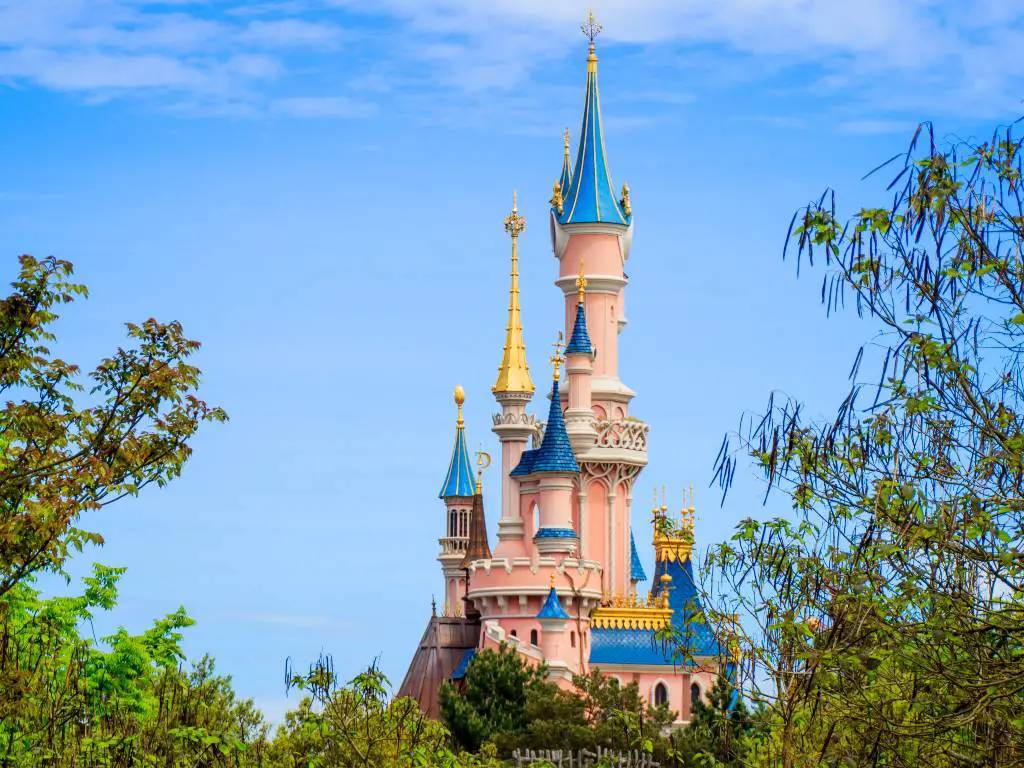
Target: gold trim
628, 612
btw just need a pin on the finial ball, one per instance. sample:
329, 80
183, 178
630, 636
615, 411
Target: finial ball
665, 578
460, 394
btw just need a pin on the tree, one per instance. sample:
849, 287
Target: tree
59, 457
887, 616
494, 700
720, 730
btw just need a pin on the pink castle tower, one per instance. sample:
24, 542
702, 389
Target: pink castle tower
561, 585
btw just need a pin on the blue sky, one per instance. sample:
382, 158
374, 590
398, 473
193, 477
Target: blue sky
288, 178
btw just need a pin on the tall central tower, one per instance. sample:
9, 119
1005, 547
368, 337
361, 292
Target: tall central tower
591, 234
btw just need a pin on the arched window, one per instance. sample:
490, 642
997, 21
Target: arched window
694, 694
533, 637
572, 639
453, 523
536, 518
515, 634
660, 694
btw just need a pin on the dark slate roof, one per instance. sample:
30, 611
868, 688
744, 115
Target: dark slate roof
555, 452
579, 342
636, 568
552, 608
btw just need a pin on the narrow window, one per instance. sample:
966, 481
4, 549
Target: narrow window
660, 694
514, 634
533, 637
453, 529
572, 639
694, 694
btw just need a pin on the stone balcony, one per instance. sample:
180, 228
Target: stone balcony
617, 440
453, 545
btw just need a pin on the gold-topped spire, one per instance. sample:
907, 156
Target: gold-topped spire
581, 284
514, 373
591, 28
565, 144
557, 359
460, 398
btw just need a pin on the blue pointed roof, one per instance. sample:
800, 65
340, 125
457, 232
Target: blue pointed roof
555, 452
580, 339
590, 196
459, 481
552, 608
636, 568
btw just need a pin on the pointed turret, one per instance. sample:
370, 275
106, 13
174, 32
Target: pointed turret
579, 341
555, 453
459, 480
579, 357
514, 373
590, 196
636, 568
478, 548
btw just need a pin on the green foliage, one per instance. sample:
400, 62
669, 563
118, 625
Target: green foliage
884, 622
721, 732
494, 699
59, 458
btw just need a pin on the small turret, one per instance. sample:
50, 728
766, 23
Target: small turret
457, 492
553, 618
579, 365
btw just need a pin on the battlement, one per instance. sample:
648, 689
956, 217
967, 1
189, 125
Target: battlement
632, 612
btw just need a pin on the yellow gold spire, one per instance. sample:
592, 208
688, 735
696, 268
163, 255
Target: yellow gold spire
514, 373
460, 398
556, 359
591, 29
565, 143
581, 284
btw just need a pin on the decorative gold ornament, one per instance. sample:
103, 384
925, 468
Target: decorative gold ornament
483, 461
556, 197
557, 359
460, 398
581, 284
624, 202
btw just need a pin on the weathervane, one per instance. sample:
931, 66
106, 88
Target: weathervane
591, 28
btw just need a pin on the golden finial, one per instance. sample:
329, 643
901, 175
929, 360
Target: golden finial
460, 398
565, 144
556, 197
556, 359
552, 580
514, 373
624, 202
483, 461
581, 284
591, 28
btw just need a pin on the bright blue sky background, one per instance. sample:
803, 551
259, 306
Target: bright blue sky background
294, 180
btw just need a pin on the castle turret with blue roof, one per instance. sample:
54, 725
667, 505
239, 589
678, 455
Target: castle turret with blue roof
457, 490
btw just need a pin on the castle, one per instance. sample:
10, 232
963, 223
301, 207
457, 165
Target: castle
561, 585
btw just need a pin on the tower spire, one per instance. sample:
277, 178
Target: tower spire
590, 196
459, 480
514, 373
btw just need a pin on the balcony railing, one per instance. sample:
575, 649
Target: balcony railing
627, 434
451, 545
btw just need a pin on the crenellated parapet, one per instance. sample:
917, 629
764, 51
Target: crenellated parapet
673, 539
632, 612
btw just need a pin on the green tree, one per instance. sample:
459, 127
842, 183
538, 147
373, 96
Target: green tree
886, 617
60, 457
720, 731
494, 698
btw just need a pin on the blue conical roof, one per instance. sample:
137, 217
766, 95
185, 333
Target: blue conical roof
555, 452
459, 480
580, 339
636, 568
591, 196
552, 608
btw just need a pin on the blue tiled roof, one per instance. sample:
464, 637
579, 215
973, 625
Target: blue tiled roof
459, 480
460, 670
636, 568
552, 608
555, 452
641, 646
555, 533
591, 195
565, 179
579, 342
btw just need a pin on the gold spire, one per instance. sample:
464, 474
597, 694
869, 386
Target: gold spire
514, 373
591, 29
460, 398
581, 284
565, 142
556, 359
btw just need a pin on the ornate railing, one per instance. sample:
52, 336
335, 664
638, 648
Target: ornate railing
628, 434
513, 418
453, 544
